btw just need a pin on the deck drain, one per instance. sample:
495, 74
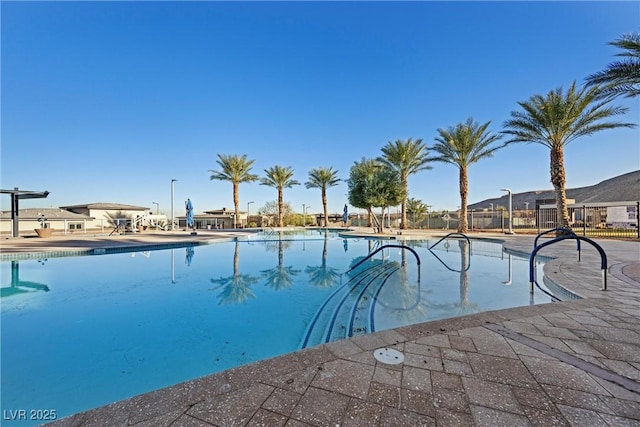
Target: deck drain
388, 356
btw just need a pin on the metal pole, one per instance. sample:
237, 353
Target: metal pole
248, 213
508, 190
172, 186
304, 216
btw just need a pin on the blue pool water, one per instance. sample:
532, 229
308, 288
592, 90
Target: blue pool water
80, 332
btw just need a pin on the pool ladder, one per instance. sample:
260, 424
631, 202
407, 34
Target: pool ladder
568, 234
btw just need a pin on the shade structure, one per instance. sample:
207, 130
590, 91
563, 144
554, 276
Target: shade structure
189, 208
345, 214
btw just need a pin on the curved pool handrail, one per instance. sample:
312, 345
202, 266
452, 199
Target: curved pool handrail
451, 234
384, 247
603, 258
566, 230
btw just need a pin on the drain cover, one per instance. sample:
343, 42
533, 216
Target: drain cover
388, 356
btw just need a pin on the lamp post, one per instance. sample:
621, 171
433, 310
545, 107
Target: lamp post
428, 215
248, 212
172, 187
157, 207
508, 190
304, 216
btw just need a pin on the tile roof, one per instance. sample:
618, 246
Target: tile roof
49, 213
107, 206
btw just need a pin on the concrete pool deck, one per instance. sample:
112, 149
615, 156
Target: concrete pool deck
571, 363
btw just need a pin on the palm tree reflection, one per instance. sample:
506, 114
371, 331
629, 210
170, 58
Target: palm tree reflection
323, 276
235, 288
279, 277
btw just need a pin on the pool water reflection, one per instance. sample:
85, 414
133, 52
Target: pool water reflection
80, 332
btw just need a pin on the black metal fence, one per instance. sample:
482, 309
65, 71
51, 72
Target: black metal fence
618, 220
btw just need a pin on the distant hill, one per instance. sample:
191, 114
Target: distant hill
622, 188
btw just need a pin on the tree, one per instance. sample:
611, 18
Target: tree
236, 169
323, 178
280, 178
417, 209
359, 175
407, 158
373, 184
463, 145
621, 77
271, 209
557, 119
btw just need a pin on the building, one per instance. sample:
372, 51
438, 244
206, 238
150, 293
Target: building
92, 217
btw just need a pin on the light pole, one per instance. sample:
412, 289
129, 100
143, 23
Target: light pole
157, 207
428, 215
491, 222
304, 216
248, 204
172, 187
508, 190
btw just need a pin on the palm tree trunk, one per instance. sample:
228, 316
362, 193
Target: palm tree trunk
280, 206
236, 204
464, 189
558, 179
324, 207
403, 221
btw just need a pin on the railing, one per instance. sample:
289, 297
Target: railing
384, 247
532, 275
564, 230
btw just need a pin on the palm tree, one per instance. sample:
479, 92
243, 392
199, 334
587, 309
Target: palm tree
279, 177
621, 77
407, 158
237, 170
557, 119
462, 146
323, 178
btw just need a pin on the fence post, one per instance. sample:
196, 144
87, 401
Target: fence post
638, 218
584, 220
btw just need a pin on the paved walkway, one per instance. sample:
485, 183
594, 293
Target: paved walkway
572, 363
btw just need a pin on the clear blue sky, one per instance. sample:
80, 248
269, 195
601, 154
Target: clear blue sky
108, 101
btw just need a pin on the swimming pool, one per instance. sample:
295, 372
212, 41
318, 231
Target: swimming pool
80, 332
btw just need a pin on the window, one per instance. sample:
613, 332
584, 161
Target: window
75, 226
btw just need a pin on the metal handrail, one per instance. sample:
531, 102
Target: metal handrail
451, 234
565, 230
384, 247
603, 259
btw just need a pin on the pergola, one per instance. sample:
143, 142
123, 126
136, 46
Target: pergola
16, 195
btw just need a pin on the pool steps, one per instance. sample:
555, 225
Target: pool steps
345, 312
